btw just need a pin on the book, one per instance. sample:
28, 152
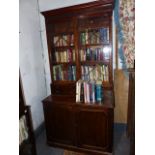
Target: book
73, 73
98, 91
73, 52
82, 92
85, 91
92, 91
77, 91
86, 37
82, 38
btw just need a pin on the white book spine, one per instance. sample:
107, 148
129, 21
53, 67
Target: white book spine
77, 85
88, 94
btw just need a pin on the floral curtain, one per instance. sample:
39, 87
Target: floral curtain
125, 21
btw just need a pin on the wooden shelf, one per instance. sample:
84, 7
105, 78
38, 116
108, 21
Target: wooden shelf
63, 47
93, 27
101, 45
94, 62
62, 82
95, 105
63, 63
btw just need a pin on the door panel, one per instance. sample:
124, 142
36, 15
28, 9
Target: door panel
93, 129
60, 123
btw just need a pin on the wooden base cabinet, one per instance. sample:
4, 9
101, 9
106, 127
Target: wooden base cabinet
59, 123
77, 127
94, 129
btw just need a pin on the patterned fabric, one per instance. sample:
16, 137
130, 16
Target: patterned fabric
23, 130
125, 21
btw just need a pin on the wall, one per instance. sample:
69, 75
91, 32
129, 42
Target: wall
31, 58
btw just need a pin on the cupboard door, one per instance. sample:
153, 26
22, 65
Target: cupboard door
59, 123
94, 129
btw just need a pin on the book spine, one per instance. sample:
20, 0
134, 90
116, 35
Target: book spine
108, 34
107, 73
56, 39
102, 72
69, 73
83, 39
82, 92
98, 39
65, 56
65, 75
93, 92
82, 72
73, 52
91, 73
57, 73
72, 40
81, 55
86, 37
85, 92
61, 41
61, 75
98, 93
74, 72
69, 55
77, 91
88, 92
54, 73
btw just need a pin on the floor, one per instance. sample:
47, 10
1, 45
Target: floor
121, 143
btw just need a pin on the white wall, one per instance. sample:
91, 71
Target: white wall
31, 58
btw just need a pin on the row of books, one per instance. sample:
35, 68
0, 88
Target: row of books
62, 73
96, 36
89, 91
64, 56
94, 54
98, 72
63, 40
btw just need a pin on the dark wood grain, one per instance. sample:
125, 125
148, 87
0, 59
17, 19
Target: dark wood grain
93, 129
